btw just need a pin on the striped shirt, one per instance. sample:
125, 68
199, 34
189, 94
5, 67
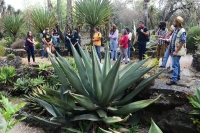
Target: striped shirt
161, 34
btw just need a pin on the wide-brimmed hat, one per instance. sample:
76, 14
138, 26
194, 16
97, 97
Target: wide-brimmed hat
180, 20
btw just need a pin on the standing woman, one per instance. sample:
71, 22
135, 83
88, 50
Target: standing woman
68, 37
113, 41
123, 44
76, 40
30, 42
97, 41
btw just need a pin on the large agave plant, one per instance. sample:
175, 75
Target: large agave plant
95, 93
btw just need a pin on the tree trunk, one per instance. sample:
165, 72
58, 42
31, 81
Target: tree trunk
69, 15
60, 22
151, 20
49, 4
145, 13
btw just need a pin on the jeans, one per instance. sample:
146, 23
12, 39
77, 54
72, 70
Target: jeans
129, 46
167, 57
176, 68
124, 52
98, 51
30, 52
113, 48
142, 49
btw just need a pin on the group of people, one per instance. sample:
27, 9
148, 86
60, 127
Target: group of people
170, 45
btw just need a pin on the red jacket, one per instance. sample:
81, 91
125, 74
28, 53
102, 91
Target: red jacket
124, 41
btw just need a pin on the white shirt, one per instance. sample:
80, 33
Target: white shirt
129, 36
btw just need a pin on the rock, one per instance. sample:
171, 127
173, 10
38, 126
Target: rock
170, 112
196, 61
16, 62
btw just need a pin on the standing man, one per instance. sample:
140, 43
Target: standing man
142, 35
177, 49
48, 45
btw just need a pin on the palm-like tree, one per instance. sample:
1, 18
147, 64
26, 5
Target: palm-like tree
12, 24
41, 19
93, 12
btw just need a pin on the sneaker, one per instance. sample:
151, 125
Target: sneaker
128, 59
124, 59
42, 57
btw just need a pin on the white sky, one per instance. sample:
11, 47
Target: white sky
21, 4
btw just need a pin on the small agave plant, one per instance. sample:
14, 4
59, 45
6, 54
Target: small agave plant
94, 93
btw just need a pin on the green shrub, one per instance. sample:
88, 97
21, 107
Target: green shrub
7, 75
191, 42
9, 112
2, 50
38, 46
11, 56
27, 84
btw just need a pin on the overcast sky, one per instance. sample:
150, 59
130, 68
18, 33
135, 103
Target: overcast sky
21, 4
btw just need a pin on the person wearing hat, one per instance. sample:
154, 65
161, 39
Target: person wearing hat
167, 56
48, 45
161, 45
142, 35
177, 49
76, 40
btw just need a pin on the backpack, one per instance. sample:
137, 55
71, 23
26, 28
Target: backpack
26, 45
147, 37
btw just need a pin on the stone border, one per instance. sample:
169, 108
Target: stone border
22, 53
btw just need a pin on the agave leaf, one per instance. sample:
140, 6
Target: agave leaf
195, 112
115, 119
84, 101
101, 113
154, 128
90, 117
105, 131
140, 87
193, 100
97, 76
107, 64
110, 83
43, 120
132, 69
73, 130
129, 80
88, 63
52, 92
46, 105
57, 102
58, 113
125, 69
61, 76
82, 71
60, 120
72, 77
133, 107
198, 94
